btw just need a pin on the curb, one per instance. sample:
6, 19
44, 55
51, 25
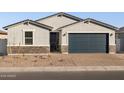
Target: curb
58, 69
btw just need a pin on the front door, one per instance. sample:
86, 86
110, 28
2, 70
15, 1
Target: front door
54, 41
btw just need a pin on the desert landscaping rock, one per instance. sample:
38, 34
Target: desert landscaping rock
62, 60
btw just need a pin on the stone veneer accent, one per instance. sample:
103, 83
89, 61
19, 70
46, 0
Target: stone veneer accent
112, 48
43, 49
64, 49
27, 49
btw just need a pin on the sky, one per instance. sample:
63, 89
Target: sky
113, 18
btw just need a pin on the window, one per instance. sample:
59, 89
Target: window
28, 38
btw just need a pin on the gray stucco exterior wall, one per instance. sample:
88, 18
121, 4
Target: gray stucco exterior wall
87, 28
16, 39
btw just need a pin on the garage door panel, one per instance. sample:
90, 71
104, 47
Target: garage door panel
87, 43
87, 51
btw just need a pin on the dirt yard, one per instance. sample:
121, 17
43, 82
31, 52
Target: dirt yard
62, 60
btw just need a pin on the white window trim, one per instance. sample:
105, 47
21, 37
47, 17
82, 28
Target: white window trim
23, 36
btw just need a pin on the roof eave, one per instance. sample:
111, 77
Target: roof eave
32, 22
64, 14
3, 32
42, 25
101, 23
6, 27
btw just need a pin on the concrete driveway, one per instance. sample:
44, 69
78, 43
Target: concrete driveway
62, 60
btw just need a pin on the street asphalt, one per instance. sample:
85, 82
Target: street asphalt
63, 75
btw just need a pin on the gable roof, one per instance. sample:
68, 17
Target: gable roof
101, 23
62, 14
93, 21
3, 32
121, 29
67, 25
31, 22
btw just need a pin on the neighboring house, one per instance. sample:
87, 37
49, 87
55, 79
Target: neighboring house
3, 42
61, 32
120, 40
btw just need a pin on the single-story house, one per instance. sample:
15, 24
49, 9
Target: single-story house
63, 33
120, 40
3, 42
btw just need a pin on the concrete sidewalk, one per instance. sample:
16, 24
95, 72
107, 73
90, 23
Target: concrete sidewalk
57, 69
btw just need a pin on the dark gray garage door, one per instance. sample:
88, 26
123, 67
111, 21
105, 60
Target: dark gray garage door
88, 43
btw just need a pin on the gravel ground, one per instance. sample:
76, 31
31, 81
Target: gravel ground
62, 60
